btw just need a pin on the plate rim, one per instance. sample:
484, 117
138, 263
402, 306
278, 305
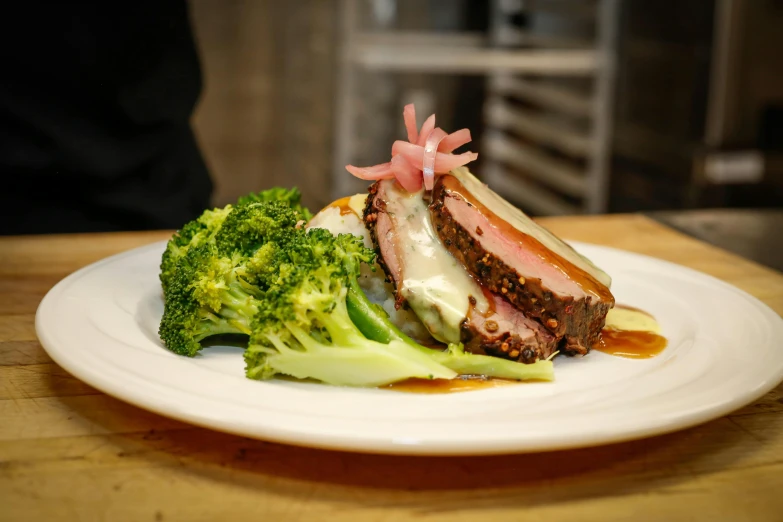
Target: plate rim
338, 442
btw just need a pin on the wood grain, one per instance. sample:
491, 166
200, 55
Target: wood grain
69, 452
268, 95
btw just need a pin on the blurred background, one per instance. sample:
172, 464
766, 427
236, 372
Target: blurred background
576, 106
140, 118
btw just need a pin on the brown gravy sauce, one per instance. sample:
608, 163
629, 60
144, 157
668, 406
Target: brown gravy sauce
460, 384
343, 204
630, 344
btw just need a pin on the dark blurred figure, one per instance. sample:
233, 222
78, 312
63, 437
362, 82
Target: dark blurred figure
95, 106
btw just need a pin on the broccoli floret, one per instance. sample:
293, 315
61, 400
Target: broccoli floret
193, 233
248, 227
204, 228
207, 296
291, 197
214, 286
303, 328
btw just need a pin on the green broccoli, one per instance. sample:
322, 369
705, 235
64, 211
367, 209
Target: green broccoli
253, 225
214, 286
207, 296
204, 228
196, 232
292, 197
303, 328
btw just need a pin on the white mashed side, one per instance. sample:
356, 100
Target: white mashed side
333, 220
374, 284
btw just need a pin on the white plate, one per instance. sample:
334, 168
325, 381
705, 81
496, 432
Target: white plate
724, 351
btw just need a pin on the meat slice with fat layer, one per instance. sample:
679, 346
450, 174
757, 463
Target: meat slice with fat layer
518, 259
438, 288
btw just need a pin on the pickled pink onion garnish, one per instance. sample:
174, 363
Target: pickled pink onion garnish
444, 163
409, 116
407, 175
382, 171
426, 153
455, 140
430, 150
426, 128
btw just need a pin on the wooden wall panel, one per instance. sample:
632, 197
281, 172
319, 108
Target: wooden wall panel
265, 114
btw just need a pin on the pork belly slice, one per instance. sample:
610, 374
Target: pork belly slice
506, 332
428, 279
569, 300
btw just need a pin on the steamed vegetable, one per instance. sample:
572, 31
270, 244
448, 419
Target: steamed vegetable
194, 233
303, 328
211, 289
292, 197
202, 230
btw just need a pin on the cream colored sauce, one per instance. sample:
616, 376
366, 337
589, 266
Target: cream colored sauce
519, 220
631, 320
357, 202
434, 284
631, 333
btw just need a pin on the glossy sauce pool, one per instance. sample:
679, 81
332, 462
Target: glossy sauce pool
343, 205
631, 333
460, 384
630, 344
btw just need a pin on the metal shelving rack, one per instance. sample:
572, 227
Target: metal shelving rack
531, 153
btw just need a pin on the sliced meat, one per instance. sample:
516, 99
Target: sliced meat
505, 332
445, 297
570, 302
426, 276
380, 226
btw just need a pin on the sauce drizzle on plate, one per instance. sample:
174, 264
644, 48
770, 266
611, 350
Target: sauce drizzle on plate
631, 333
630, 344
460, 384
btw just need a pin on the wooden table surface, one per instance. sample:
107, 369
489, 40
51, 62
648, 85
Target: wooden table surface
69, 452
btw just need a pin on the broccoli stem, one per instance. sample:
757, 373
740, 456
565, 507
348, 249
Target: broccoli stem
338, 323
374, 323
237, 307
238, 315
472, 364
361, 363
